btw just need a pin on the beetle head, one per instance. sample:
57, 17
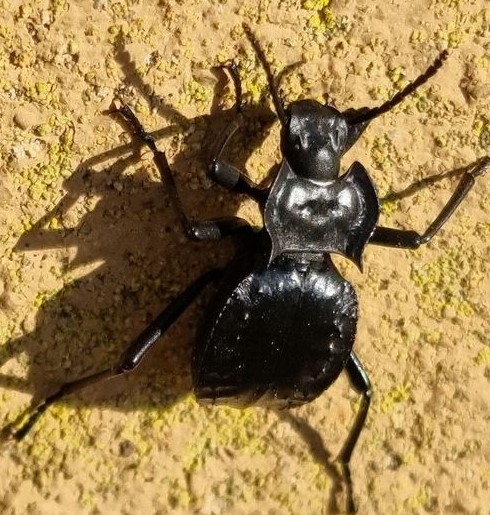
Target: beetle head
314, 138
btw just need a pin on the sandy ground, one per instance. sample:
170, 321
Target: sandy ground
91, 251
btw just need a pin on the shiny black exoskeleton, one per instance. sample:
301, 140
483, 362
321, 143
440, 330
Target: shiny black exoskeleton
281, 326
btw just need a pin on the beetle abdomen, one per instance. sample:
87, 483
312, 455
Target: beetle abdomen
281, 338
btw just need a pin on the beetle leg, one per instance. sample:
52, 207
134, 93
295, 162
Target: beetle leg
220, 171
229, 177
360, 382
198, 230
129, 360
407, 239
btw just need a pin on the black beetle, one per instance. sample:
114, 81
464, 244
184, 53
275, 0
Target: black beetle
281, 326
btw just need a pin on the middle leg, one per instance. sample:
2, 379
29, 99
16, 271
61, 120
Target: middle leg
406, 239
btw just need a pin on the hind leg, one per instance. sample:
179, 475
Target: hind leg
360, 382
128, 362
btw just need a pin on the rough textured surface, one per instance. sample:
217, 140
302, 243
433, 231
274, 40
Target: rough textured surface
91, 251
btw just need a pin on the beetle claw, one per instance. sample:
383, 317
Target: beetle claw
482, 167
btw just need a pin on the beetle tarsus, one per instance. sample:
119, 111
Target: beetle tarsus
232, 69
481, 167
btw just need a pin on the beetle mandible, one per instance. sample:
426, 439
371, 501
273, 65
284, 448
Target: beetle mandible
280, 328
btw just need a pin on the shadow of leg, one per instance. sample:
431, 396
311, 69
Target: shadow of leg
322, 456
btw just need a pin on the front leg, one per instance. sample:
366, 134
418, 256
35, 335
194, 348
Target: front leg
406, 239
220, 171
198, 230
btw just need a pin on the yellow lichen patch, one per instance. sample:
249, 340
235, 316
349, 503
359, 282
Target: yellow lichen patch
424, 499
388, 208
432, 337
440, 285
41, 177
400, 393
228, 428
481, 129
323, 20
454, 33
45, 93
197, 95
385, 157
483, 356
42, 297
255, 86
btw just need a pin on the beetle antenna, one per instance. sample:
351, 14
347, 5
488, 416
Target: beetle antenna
405, 92
270, 77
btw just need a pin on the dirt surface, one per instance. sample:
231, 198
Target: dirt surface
91, 251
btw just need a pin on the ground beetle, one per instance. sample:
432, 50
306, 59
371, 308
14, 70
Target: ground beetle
280, 328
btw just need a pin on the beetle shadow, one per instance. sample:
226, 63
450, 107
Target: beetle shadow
320, 454
415, 187
132, 233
